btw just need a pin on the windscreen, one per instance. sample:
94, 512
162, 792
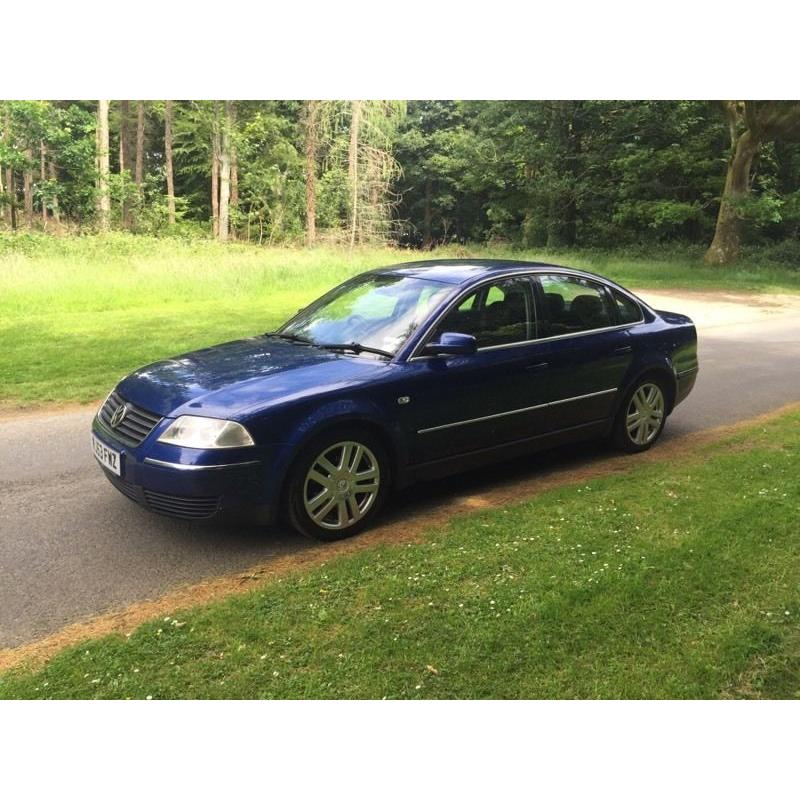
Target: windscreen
379, 311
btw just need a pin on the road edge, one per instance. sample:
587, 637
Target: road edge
124, 621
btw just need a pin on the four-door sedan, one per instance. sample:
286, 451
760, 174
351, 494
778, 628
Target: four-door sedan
400, 374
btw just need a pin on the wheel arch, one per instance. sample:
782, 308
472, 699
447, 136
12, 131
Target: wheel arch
323, 427
661, 370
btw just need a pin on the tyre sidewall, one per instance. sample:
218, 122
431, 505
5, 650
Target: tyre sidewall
294, 506
620, 438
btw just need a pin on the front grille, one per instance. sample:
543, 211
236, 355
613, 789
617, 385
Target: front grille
170, 504
135, 425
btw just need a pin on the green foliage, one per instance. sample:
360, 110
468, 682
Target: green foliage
626, 586
271, 183
785, 253
550, 174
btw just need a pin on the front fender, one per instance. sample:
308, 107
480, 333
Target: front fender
305, 425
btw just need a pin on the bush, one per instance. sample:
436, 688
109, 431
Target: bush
785, 253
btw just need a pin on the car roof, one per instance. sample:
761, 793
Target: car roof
466, 270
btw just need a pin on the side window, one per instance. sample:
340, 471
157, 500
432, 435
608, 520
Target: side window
501, 313
573, 305
627, 310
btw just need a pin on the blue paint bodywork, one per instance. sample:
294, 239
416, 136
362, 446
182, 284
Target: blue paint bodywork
285, 393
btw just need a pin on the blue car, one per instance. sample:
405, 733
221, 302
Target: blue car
404, 373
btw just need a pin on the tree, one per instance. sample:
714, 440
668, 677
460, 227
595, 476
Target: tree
140, 119
310, 110
215, 147
103, 195
10, 198
271, 181
53, 173
371, 167
225, 173
436, 205
43, 177
234, 204
125, 160
751, 123
168, 112
352, 166
27, 187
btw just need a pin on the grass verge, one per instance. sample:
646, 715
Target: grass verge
676, 580
78, 314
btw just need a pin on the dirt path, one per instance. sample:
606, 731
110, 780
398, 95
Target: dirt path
718, 309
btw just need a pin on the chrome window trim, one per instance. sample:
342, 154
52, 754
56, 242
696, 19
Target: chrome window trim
415, 356
515, 411
545, 339
172, 465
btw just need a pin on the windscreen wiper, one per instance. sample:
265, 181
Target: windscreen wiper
290, 337
355, 347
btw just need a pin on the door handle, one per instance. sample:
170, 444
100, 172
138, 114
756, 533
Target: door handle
624, 349
539, 365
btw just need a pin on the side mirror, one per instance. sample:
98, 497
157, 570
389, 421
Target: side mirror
452, 344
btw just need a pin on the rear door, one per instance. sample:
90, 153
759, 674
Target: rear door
587, 350
459, 404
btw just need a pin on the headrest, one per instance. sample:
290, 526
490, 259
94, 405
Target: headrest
555, 303
587, 307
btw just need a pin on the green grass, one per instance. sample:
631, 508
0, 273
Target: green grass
76, 314
676, 580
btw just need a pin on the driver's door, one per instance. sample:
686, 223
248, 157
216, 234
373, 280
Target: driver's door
459, 404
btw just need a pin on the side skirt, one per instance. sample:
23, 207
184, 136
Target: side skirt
463, 462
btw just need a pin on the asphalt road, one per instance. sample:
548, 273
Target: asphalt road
71, 546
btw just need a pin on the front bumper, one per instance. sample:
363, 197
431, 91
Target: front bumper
154, 476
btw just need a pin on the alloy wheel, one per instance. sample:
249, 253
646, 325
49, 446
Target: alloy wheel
645, 414
341, 485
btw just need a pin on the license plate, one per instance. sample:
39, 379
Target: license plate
109, 458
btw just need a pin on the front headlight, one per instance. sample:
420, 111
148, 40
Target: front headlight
205, 432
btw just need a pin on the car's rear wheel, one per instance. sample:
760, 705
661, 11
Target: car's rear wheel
338, 485
641, 417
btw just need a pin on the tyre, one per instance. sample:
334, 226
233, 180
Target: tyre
641, 416
337, 485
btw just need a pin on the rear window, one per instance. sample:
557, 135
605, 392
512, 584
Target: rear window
627, 310
573, 305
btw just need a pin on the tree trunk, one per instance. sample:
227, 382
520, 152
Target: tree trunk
139, 176
215, 181
168, 160
225, 175
125, 158
724, 248
43, 176
27, 188
234, 173
311, 170
11, 189
426, 219
561, 206
10, 207
352, 168
103, 196
54, 179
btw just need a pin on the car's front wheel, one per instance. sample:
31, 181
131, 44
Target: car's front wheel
641, 417
338, 485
